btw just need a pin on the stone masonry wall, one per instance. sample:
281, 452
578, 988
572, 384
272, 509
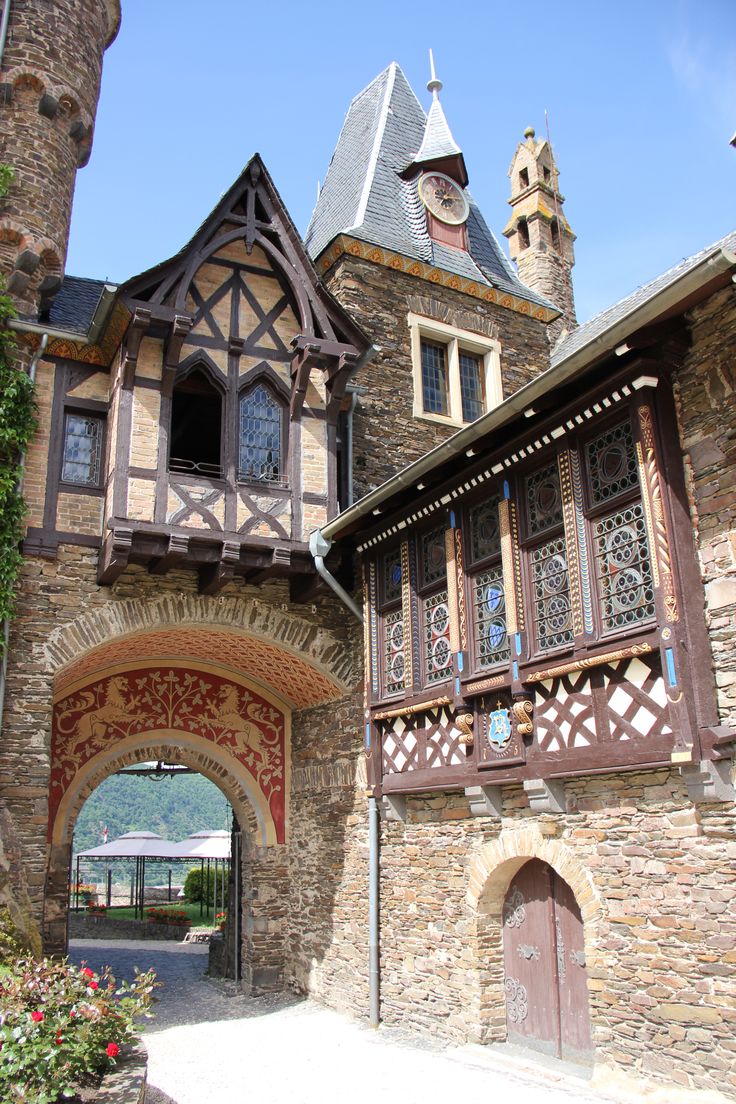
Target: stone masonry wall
386, 435
706, 394
660, 953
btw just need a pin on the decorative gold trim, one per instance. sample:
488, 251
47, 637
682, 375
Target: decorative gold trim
409, 710
406, 616
460, 572
564, 465
484, 684
654, 515
507, 565
345, 244
464, 722
452, 594
591, 661
522, 711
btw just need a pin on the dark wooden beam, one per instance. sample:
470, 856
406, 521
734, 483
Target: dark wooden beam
136, 332
114, 555
177, 550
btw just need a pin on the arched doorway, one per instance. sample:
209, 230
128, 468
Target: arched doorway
545, 978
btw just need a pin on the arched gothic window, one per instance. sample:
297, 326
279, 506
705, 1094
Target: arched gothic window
261, 438
195, 440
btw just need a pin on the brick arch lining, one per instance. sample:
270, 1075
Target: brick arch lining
326, 664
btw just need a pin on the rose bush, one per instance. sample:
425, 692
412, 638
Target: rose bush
62, 1026
161, 915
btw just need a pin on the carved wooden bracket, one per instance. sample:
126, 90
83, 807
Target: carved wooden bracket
213, 577
136, 332
114, 555
334, 358
464, 722
180, 327
175, 553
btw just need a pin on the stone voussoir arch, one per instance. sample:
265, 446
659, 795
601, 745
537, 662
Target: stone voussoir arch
493, 866
313, 643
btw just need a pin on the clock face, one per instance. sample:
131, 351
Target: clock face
444, 198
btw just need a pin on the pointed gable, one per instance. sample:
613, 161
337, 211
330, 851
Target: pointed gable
366, 194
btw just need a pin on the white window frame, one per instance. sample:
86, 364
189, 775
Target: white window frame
455, 341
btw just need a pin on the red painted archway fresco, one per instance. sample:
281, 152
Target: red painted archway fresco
170, 698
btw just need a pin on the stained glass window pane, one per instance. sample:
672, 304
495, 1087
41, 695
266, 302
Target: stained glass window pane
551, 594
471, 386
392, 576
82, 449
394, 662
623, 568
489, 608
437, 655
544, 502
434, 378
260, 436
612, 463
434, 562
485, 533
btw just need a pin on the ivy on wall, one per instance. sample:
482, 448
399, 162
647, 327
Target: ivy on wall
17, 424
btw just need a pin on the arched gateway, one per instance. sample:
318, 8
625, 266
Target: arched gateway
204, 694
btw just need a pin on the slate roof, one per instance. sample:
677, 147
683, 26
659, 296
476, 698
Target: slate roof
363, 194
74, 306
602, 322
437, 141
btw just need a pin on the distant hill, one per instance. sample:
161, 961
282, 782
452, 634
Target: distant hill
172, 807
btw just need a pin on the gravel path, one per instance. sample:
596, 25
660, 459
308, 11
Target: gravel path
208, 1043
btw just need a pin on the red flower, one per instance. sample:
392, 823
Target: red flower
94, 985
59, 1038
37, 1017
112, 1050
87, 972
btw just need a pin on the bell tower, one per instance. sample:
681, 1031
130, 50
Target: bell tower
50, 69
540, 238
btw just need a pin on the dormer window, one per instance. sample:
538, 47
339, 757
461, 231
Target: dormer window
195, 441
261, 436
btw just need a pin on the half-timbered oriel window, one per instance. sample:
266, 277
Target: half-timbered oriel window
579, 559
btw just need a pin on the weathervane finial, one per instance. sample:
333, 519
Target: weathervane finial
434, 86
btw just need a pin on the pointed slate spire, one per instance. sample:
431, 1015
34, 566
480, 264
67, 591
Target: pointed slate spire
438, 150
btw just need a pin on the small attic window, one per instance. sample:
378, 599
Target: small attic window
195, 440
523, 231
523, 178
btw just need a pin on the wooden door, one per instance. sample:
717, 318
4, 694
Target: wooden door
544, 964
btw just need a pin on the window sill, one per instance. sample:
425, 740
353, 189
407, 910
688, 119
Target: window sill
81, 488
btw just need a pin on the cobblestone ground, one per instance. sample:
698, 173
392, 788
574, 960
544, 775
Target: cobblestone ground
210, 1043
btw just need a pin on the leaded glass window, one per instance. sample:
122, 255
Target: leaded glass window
544, 501
551, 597
471, 386
612, 463
437, 654
434, 378
485, 534
394, 660
82, 460
392, 576
489, 608
260, 454
623, 569
434, 561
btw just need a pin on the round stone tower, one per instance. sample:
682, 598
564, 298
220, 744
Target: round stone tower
540, 238
50, 66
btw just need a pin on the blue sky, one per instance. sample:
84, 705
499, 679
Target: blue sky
641, 102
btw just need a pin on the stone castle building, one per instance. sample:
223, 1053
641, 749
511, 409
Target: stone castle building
248, 450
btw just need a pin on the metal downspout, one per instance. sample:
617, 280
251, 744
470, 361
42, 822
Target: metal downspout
6, 624
319, 547
4, 28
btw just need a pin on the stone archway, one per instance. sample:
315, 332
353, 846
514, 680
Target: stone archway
490, 873
202, 716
